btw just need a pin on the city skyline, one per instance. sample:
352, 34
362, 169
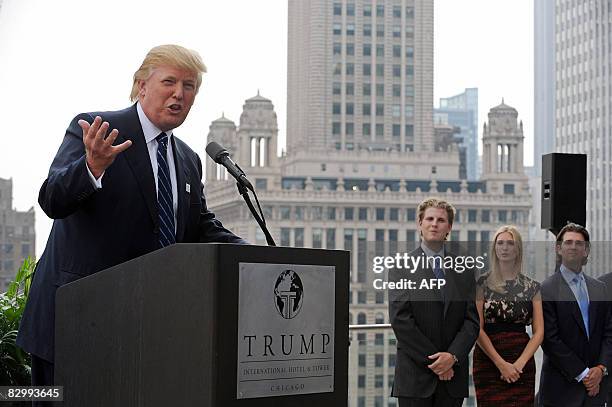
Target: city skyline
362, 152
238, 66
582, 101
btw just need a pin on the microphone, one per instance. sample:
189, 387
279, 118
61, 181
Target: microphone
221, 156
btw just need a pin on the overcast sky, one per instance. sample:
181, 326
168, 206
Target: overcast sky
59, 58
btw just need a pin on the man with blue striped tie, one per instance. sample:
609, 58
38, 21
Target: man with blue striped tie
121, 185
577, 328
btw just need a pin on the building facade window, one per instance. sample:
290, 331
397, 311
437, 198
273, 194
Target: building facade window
397, 31
472, 215
397, 51
396, 130
410, 214
380, 70
367, 50
299, 237
486, 216
285, 212
317, 238
350, 9
337, 47
367, 69
350, 129
350, 49
285, 237
348, 213
350, 68
336, 88
380, 89
336, 128
394, 214
366, 109
380, 130
367, 89
330, 239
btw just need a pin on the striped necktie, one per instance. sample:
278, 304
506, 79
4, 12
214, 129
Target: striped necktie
164, 193
439, 273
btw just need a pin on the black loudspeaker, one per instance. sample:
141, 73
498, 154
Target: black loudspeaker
563, 190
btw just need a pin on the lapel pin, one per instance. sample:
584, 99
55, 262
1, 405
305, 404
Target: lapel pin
188, 188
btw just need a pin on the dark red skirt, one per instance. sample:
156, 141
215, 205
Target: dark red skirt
490, 389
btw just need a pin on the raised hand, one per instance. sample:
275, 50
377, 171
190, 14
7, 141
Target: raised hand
99, 150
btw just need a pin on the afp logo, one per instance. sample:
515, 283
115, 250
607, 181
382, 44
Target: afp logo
288, 294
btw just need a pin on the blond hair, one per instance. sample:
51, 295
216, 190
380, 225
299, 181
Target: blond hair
495, 281
439, 204
171, 55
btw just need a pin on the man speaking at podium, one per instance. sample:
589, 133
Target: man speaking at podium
121, 185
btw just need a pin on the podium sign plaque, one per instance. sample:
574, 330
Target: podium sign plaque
285, 330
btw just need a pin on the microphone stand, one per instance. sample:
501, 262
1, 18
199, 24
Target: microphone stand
261, 220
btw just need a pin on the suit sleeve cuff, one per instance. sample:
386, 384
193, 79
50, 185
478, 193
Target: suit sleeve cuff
97, 183
582, 375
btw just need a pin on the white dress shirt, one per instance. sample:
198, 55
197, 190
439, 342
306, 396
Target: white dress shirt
150, 133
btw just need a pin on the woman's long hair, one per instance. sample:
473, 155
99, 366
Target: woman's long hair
495, 280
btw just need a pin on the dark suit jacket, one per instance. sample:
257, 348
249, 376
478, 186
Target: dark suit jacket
567, 350
96, 229
424, 325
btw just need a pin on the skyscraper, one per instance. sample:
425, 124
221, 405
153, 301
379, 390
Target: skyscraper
17, 235
462, 111
544, 82
360, 75
362, 152
583, 103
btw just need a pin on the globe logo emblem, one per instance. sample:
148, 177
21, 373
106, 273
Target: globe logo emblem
288, 294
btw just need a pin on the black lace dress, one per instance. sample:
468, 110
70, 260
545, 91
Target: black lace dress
506, 316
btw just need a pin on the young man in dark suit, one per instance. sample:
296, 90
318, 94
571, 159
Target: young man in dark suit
607, 280
118, 195
435, 328
577, 328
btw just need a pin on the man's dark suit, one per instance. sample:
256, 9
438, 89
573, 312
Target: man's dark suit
567, 350
607, 280
97, 229
424, 325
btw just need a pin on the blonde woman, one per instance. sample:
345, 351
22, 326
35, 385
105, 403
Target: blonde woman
507, 301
